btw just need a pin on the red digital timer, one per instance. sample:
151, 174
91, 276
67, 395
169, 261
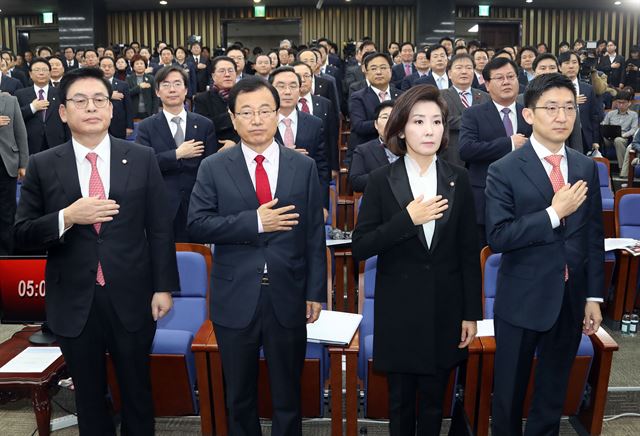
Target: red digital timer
22, 289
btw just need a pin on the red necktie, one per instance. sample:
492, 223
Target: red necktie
382, 96
305, 106
557, 181
96, 189
263, 190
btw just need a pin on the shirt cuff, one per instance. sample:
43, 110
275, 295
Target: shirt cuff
61, 229
595, 299
553, 217
33, 108
260, 228
513, 145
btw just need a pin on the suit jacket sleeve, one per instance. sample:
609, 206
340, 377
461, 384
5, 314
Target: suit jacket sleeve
20, 134
211, 144
505, 231
358, 175
595, 271
25, 107
473, 148
316, 245
455, 116
128, 105
206, 224
359, 122
372, 235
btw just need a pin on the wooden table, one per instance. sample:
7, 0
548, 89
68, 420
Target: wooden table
36, 385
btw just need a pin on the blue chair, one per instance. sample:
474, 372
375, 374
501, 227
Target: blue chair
634, 169
587, 390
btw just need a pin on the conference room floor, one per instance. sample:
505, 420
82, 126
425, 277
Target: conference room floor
17, 418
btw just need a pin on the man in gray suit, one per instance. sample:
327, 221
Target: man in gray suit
260, 204
14, 152
459, 96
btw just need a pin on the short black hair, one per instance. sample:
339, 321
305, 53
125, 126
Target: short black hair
413, 47
393, 42
69, 48
566, 57
445, 38
163, 72
72, 76
165, 48
415, 55
458, 57
366, 43
39, 60
496, 64
501, 52
624, 95
480, 50
563, 44
107, 57
236, 47
541, 84
434, 48
382, 105
284, 69
542, 57
219, 59
89, 50
296, 63
251, 84
371, 56
315, 53
530, 48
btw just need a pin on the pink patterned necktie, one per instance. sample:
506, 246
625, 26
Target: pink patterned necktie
407, 70
382, 95
288, 134
557, 181
96, 189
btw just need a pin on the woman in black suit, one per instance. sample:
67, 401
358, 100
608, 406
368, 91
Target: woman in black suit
417, 216
142, 89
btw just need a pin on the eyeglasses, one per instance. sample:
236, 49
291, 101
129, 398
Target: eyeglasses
508, 78
291, 86
225, 71
553, 110
306, 76
169, 85
81, 102
382, 68
40, 70
264, 114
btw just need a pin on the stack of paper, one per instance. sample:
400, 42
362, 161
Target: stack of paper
32, 359
628, 244
332, 327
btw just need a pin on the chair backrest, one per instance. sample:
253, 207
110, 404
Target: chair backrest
190, 304
367, 287
490, 263
605, 181
333, 206
357, 201
627, 213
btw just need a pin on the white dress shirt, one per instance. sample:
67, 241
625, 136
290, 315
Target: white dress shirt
441, 84
173, 126
103, 150
37, 89
270, 164
293, 116
423, 183
513, 116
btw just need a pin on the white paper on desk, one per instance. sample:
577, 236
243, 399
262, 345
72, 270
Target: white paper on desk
611, 244
332, 242
333, 327
32, 359
485, 328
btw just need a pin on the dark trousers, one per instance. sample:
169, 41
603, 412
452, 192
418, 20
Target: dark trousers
482, 235
7, 209
403, 389
85, 357
284, 349
515, 348
180, 222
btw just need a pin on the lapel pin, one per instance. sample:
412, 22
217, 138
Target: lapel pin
452, 184
195, 127
124, 162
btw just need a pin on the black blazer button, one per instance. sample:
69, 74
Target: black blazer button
100, 240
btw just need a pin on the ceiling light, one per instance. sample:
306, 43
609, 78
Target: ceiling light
618, 3
163, 2
529, 1
257, 1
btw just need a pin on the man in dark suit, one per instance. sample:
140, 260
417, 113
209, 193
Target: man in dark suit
98, 206
9, 84
612, 64
355, 73
298, 130
12, 70
269, 268
406, 67
363, 103
166, 59
544, 216
459, 97
324, 86
491, 130
70, 62
122, 122
421, 66
39, 105
181, 140
437, 76
480, 57
323, 109
14, 153
202, 65
373, 154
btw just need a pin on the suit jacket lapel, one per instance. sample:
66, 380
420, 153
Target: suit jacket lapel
379, 154
239, 174
164, 132
286, 173
446, 187
67, 171
477, 97
191, 130
300, 131
399, 183
119, 174
533, 169
52, 96
575, 173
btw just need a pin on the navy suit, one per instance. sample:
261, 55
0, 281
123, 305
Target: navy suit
10, 85
408, 81
535, 308
327, 88
122, 111
21, 76
246, 314
42, 134
74, 64
366, 158
331, 123
614, 75
310, 136
482, 141
398, 73
591, 114
428, 79
362, 107
179, 175
203, 76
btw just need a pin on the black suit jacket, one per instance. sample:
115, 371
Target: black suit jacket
148, 95
322, 109
21, 76
10, 85
482, 141
42, 134
614, 75
352, 75
136, 249
325, 88
398, 74
408, 81
362, 106
209, 104
531, 286
74, 64
122, 111
591, 114
366, 158
223, 212
203, 76
423, 292
310, 136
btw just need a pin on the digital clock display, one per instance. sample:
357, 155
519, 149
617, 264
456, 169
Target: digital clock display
22, 289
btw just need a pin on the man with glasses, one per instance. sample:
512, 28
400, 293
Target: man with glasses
544, 214
180, 140
363, 103
122, 122
8, 84
237, 55
98, 205
212, 104
437, 76
491, 130
39, 106
260, 203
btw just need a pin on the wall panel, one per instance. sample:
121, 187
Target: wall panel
8, 25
